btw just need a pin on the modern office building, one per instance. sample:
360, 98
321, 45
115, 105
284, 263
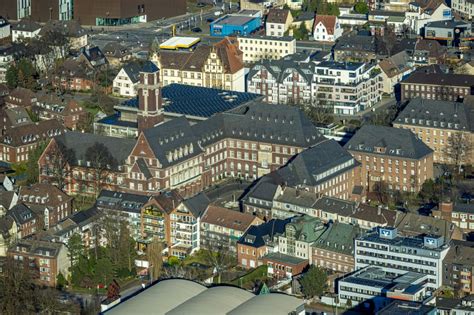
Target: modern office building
242, 23
399, 255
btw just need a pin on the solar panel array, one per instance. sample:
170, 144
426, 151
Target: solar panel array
201, 101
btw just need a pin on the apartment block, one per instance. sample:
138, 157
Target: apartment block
458, 268
437, 86
460, 214
259, 48
435, 122
399, 255
392, 156
278, 22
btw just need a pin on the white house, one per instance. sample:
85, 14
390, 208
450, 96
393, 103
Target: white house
4, 28
278, 22
125, 83
419, 16
24, 29
326, 28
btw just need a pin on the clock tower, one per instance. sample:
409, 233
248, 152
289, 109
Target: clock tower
150, 111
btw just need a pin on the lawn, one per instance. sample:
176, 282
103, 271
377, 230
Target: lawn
247, 280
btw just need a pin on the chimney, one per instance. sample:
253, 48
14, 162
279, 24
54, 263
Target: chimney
446, 206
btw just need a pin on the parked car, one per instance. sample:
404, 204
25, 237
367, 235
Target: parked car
210, 20
218, 13
196, 30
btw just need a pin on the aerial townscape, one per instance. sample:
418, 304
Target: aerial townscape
280, 157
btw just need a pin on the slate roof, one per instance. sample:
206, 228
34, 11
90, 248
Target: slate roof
396, 64
307, 228
120, 201
48, 194
70, 28
37, 247
227, 218
339, 237
115, 49
335, 205
255, 121
21, 214
83, 217
260, 235
411, 224
6, 198
26, 25
167, 139
298, 197
79, 142
304, 168
355, 41
168, 200
278, 16
448, 24
445, 114
31, 133
460, 253
396, 141
197, 204
451, 79
283, 68
132, 69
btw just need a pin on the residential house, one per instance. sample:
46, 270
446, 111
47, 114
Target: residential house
436, 122
18, 141
448, 306
391, 156
119, 206
45, 259
185, 223
258, 48
289, 201
326, 28
93, 57
437, 86
218, 66
155, 217
423, 254
73, 75
26, 220
70, 29
355, 46
126, 82
222, 228
14, 116
259, 200
116, 53
300, 234
460, 214
425, 52
21, 97
258, 241
278, 22
51, 203
458, 268
8, 233
282, 266
394, 70
24, 30
8, 199
421, 12
5, 28
68, 112
334, 249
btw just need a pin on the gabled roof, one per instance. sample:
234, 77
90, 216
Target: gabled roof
392, 141
70, 28
227, 218
278, 16
328, 21
120, 201
6, 198
47, 194
260, 235
307, 168
132, 69
115, 49
167, 200
81, 218
396, 64
339, 237
31, 133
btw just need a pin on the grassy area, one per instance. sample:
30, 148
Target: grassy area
260, 273
198, 257
83, 202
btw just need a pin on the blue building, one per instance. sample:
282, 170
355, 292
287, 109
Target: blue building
235, 24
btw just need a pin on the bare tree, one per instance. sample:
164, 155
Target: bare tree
101, 163
381, 190
155, 258
458, 150
220, 258
58, 160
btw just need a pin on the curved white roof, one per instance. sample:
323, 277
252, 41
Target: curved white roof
159, 298
270, 304
216, 300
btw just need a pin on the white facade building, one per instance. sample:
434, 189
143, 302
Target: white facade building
25, 29
326, 28
256, 48
398, 255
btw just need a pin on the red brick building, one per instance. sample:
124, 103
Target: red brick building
68, 112
45, 260
21, 97
283, 266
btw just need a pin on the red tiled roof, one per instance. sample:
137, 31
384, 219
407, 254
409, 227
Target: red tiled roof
329, 22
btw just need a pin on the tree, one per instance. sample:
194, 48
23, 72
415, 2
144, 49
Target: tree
104, 271
126, 250
155, 258
76, 248
102, 163
361, 7
12, 76
219, 258
380, 188
319, 114
313, 282
32, 171
26, 74
458, 150
301, 32
61, 282
58, 160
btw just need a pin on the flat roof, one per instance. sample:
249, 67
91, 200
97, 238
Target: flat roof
233, 20
180, 42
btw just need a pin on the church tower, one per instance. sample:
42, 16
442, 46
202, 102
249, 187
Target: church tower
150, 111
